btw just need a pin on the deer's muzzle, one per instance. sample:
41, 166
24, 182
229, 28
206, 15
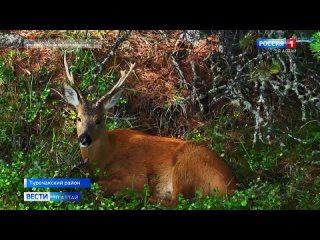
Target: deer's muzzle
85, 140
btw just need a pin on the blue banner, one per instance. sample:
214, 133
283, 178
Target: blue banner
65, 196
57, 182
271, 43
52, 196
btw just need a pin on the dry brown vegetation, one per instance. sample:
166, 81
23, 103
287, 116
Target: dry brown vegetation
155, 82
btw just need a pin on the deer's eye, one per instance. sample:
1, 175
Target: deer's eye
98, 121
78, 119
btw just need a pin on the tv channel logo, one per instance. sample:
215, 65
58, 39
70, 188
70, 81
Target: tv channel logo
52, 196
37, 196
276, 43
291, 43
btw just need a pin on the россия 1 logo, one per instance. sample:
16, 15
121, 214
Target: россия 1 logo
276, 43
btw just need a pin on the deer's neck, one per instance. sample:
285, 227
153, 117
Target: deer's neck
98, 153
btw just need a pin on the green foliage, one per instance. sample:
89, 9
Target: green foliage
6, 74
257, 196
34, 101
267, 69
315, 45
248, 41
195, 135
275, 67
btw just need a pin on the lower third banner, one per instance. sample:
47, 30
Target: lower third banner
52, 196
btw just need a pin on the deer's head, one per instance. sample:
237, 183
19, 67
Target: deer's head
91, 114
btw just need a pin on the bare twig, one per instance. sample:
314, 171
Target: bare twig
115, 46
195, 95
59, 93
180, 73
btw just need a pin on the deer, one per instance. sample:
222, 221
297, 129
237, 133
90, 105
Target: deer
133, 159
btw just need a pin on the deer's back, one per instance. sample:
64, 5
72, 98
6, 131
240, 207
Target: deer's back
139, 149
161, 162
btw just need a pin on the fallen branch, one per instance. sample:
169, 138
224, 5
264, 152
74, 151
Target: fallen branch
11, 41
114, 48
180, 73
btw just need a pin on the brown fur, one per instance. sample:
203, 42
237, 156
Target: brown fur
132, 159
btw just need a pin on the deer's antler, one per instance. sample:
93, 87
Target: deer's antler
123, 77
71, 79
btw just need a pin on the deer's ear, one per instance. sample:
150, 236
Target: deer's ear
71, 95
110, 102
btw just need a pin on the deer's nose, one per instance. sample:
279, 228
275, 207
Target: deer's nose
85, 140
